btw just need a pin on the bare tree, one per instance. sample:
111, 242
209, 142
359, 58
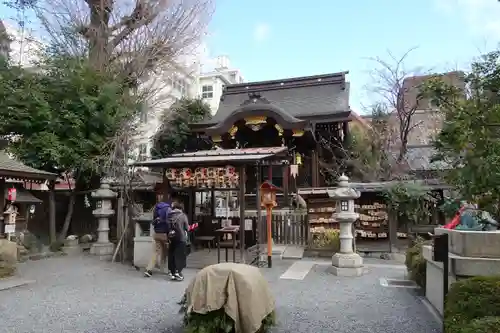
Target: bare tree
398, 90
366, 156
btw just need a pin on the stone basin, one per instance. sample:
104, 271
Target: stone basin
474, 244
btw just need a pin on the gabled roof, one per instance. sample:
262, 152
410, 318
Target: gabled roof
324, 95
11, 168
215, 157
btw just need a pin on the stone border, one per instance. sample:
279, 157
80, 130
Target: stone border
14, 282
388, 283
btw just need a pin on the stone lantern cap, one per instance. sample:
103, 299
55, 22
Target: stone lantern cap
344, 191
104, 191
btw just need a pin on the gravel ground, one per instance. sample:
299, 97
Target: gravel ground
86, 295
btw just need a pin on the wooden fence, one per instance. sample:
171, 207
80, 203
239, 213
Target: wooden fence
289, 229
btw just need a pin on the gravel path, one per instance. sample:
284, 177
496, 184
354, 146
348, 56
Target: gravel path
86, 295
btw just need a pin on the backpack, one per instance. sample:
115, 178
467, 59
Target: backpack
175, 231
161, 218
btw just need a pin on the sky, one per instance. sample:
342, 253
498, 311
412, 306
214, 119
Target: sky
274, 39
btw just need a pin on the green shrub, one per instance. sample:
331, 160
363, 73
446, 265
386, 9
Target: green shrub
482, 325
7, 269
471, 299
415, 262
327, 239
216, 321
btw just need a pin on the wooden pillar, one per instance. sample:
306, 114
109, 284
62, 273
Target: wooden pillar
315, 169
2, 203
347, 134
242, 212
286, 176
258, 230
165, 186
52, 211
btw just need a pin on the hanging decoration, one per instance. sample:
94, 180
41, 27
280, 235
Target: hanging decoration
279, 129
294, 170
216, 138
297, 133
225, 177
259, 120
255, 123
232, 131
298, 159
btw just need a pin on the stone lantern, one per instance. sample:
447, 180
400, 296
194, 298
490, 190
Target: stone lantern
104, 196
346, 262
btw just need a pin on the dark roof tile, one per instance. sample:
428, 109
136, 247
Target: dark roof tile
321, 95
12, 168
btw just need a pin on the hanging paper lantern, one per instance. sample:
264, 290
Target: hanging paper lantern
211, 173
186, 173
230, 170
197, 173
235, 179
203, 173
171, 174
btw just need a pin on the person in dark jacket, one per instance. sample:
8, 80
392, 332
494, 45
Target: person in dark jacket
178, 237
161, 215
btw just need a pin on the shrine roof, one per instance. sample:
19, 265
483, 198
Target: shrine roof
215, 157
307, 97
11, 168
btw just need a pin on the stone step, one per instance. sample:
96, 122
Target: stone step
293, 252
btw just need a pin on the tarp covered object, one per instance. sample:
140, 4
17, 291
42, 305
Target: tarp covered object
240, 289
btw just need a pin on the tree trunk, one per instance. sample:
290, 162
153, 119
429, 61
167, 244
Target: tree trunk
52, 213
98, 32
69, 215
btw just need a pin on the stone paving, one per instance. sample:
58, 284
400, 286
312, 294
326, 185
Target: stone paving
86, 295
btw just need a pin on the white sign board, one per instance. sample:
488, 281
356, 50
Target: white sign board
10, 228
221, 212
248, 224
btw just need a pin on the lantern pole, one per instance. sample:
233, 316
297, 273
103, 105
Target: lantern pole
269, 212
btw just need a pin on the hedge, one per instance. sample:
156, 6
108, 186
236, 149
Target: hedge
415, 262
471, 299
482, 325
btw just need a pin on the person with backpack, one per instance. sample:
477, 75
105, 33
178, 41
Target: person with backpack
161, 215
178, 238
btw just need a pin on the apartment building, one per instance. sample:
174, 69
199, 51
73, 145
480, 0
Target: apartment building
214, 79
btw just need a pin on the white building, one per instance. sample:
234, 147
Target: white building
24, 47
165, 89
184, 81
211, 83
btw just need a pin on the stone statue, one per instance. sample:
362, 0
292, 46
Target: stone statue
474, 219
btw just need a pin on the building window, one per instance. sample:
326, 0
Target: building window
207, 91
143, 152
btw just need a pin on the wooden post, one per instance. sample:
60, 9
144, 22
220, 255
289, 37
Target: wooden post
120, 225
52, 212
314, 166
242, 212
286, 173
269, 212
2, 201
258, 230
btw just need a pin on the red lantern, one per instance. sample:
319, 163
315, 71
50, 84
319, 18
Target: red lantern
12, 194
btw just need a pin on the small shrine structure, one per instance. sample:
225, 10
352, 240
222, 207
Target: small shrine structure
13, 172
214, 183
309, 115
